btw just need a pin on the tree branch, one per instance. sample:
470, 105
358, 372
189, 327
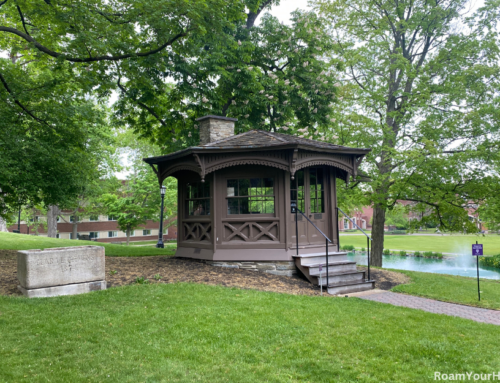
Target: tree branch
50, 52
22, 19
6, 86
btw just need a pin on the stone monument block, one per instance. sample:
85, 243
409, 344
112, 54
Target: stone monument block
61, 271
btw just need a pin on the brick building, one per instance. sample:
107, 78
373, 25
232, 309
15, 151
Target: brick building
101, 228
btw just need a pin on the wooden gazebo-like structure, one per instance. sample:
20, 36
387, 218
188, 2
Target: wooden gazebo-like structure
235, 193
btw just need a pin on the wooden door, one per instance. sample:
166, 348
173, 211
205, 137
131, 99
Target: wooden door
308, 189
316, 204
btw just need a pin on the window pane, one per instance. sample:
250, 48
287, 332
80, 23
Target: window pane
255, 182
206, 189
312, 177
320, 179
243, 202
243, 186
232, 206
232, 188
300, 178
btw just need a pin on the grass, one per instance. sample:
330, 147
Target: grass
443, 244
451, 288
189, 332
11, 241
140, 243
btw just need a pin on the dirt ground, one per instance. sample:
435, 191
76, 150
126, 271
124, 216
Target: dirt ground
124, 271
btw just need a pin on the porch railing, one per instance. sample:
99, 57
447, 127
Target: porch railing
368, 238
296, 210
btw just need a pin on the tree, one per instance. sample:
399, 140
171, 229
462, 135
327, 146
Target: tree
272, 77
420, 89
135, 203
61, 57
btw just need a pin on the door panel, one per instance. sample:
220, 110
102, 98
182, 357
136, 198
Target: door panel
316, 205
308, 189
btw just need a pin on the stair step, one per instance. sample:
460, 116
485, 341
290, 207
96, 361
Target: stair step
332, 264
350, 287
339, 278
334, 273
320, 254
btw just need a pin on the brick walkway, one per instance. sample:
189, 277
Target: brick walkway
473, 313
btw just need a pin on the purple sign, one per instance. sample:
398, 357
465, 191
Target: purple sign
320, 268
477, 250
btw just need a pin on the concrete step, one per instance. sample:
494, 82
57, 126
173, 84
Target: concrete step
350, 287
333, 267
335, 278
307, 259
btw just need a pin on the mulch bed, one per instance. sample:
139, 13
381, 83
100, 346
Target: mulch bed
174, 270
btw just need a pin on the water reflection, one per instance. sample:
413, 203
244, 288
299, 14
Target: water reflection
464, 265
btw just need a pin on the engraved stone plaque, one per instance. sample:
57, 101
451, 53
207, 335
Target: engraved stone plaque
60, 266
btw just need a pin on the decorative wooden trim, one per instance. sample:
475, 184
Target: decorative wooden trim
248, 161
262, 231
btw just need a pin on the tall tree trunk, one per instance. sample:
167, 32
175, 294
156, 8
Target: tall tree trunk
3, 225
128, 236
377, 235
52, 214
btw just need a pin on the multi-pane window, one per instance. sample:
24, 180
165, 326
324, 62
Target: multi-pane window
112, 234
72, 218
297, 190
146, 232
112, 218
198, 198
94, 234
132, 233
94, 218
316, 190
250, 196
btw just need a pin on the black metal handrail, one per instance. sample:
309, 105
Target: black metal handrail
368, 238
297, 210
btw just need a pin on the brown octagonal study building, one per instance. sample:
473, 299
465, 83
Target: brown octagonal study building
235, 194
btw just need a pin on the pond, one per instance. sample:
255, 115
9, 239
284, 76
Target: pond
463, 265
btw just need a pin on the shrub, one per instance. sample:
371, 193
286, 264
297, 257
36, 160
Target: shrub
363, 249
428, 254
386, 252
493, 261
348, 247
417, 254
402, 253
141, 281
438, 255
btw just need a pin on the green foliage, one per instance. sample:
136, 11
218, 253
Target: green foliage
493, 261
386, 252
398, 217
112, 272
141, 281
270, 76
430, 254
363, 249
402, 253
157, 277
409, 64
348, 247
417, 254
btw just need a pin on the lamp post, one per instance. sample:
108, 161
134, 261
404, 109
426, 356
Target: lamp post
160, 233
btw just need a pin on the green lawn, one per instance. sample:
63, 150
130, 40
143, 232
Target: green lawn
444, 244
452, 288
190, 332
140, 243
10, 241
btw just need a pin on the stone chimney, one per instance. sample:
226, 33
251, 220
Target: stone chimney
215, 128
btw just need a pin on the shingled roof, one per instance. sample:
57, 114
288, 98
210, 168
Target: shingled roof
259, 139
